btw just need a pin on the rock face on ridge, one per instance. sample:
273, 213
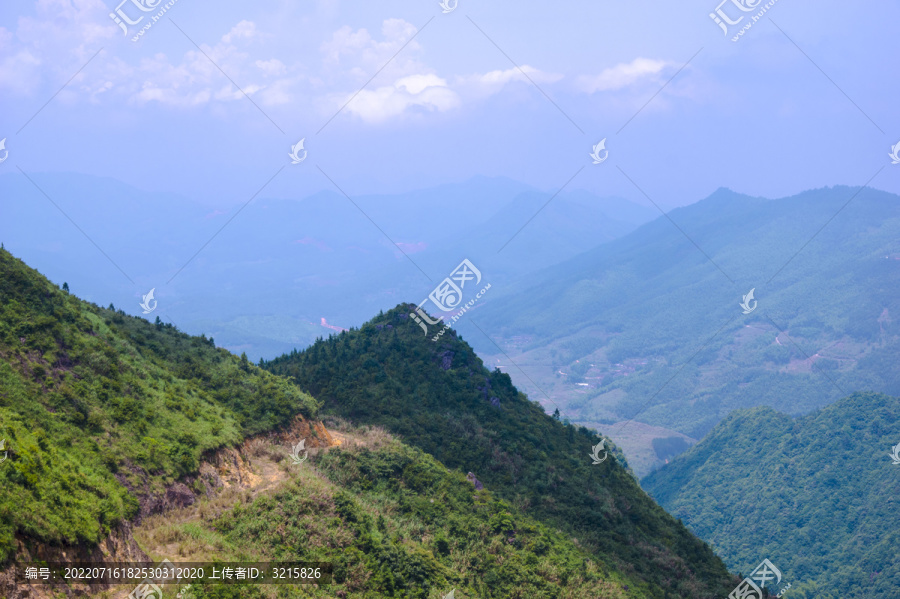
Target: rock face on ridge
220, 469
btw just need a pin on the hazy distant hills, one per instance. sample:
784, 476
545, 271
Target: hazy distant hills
816, 495
647, 327
263, 283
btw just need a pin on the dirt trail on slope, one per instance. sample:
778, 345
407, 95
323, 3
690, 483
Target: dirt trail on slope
257, 465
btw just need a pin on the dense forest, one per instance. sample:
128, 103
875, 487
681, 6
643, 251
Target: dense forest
817, 495
439, 397
93, 402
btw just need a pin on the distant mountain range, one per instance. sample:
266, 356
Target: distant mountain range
645, 338
263, 283
628, 322
816, 495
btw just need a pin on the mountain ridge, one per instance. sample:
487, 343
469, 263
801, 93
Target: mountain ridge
814, 494
439, 397
650, 317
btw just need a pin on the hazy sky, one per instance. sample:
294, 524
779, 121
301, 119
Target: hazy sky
806, 98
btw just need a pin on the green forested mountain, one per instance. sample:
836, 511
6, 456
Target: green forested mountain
92, 400
647, 327
439, 397
816, 495
99, 410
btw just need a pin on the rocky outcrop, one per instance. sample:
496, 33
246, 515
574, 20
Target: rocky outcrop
219, 469
118, 546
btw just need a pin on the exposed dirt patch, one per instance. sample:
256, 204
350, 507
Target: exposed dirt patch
255, 466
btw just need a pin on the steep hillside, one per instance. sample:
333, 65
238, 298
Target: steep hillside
647, 327
816, 495
391, 520
439, 397
113, 426
101, 412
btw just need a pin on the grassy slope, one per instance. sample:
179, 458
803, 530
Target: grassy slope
817, 495
393, 521
87, 394
437, 396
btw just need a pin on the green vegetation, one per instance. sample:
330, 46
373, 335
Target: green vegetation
816, 495
94, 403
438, 397
102, 412
394, 523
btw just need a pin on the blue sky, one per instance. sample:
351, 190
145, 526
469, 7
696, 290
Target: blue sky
806, 98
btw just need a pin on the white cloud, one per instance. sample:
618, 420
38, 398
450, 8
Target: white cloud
351, 57
272, 67
492, 82
244, 30
421, 91
51, 45
368, 53
623, 75
19, 73
416, 84
196, 81
527, 74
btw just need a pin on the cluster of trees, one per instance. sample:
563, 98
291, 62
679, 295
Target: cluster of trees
439, 397
816, 495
